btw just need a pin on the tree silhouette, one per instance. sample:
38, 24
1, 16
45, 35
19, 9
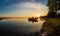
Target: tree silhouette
54, 7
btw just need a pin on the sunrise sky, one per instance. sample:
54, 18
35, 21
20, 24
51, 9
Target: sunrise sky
23, 8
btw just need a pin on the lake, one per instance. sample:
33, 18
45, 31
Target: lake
22, 26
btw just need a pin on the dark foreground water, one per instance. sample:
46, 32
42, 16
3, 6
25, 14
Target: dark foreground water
11, 27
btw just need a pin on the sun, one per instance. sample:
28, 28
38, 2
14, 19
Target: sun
37, 15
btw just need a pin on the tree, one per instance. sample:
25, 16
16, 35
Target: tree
54, 6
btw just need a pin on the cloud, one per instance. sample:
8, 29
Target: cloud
30, 8
9, 2
30, 5
24, 7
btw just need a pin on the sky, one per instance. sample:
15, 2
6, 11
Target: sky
23, 8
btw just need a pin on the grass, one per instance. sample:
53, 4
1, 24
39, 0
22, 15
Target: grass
53, 27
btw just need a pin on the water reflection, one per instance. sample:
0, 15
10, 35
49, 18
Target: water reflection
35, 19
19, 26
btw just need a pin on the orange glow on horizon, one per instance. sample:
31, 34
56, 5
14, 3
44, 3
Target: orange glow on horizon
37, 15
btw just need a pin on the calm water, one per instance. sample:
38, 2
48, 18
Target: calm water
20, 25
